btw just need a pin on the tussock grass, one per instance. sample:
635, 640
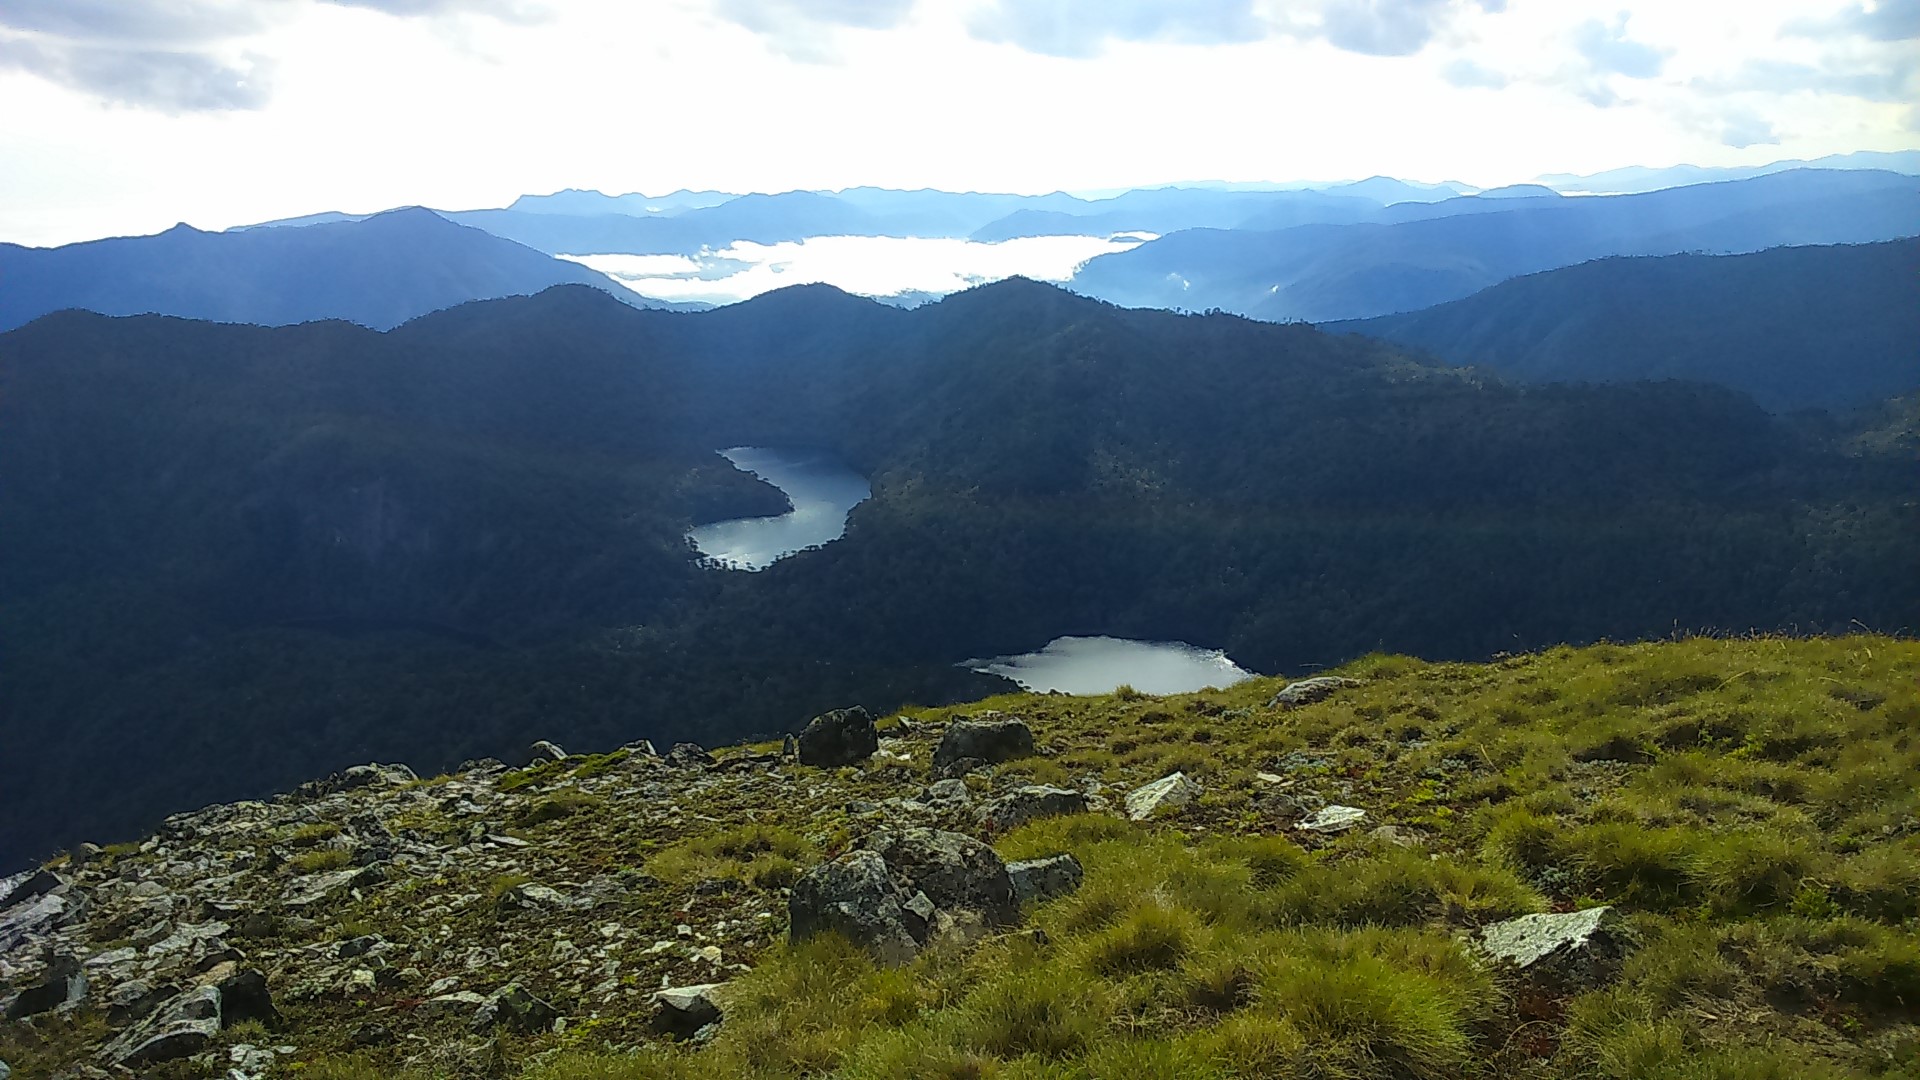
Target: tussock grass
769, 856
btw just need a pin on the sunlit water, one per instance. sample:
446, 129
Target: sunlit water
1096, 665
867, 265
821, 489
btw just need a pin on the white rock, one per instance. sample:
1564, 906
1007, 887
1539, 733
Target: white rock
1167, 792
1333, 819
1527, 940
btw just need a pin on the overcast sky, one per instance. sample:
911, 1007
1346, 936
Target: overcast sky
125, 116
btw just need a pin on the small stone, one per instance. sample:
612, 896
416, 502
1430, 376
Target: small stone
360, 981
531, 897
683, 1011
457, 1003
1168, 792
1531, 939
1332, 819
1398, 837
517, 1009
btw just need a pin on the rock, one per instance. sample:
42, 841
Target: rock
1576, 945
517, 1010
789, 747
135, 1000
354, 778
957, 872
641, 748
5, 1072
1398, 837
244, 997
182, 1028
948, 795
1043, 879
1167, 793
1332, 819
688, 755
989, 737
537, 753
22, 887
852, 896
63, 983
840, 737
531, 897
681, 1011
1024, 804
958, 768
369, 1035
1307, 691
460, 1002
81, 855
312, 889
23, 921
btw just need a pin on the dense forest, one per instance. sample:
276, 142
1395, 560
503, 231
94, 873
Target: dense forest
239, 556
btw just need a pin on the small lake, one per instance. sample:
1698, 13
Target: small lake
1096, 665
821, 488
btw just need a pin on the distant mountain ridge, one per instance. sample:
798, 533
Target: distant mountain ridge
1796, 327
379, 272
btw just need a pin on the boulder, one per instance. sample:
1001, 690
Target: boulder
1307, 691
688, 755
957, 872
1043, 879
1032, 801
518, 1010
244, 996
21, 887
134, 1000
5, 1072
989, 737
1167, 793
1575, 948
1332, 819
23, 921
947, 795
840, 737
538, 753
63, 983
460, 1002
681, 1011
641, 748
853, 896
530, 897
958, 768
356, 777
182, 1028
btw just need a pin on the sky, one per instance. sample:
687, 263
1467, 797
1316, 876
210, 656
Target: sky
121, 117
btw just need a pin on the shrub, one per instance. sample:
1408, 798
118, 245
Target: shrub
1362, 1016
1272, 860
1033, 1010
1151, 937
767, 856
1751, 868
1633, 862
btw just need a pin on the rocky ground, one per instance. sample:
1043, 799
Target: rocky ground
498, 917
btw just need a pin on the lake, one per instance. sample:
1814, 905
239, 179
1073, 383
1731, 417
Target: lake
821, 488
1096, 665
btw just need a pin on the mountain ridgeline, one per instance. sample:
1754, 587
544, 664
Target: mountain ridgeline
1799, 327
240, 555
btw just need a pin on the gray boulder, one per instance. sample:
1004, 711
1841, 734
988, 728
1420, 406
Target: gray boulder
63, 983
1028, 803
538, 753
853, 896
24, 886
134, 1000
947, 795
1332, 819
1307, 691
244, 996
840, 737
681, 1011
688, 755
1037, 880
182, 1028
517, 1009
1577, 948
1167, 793
5, 1072
989, 738
957, 872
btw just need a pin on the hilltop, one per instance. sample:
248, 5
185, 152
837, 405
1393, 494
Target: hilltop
1737, 818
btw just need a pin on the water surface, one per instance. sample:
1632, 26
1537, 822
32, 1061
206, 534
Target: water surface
821, 489
1096, 665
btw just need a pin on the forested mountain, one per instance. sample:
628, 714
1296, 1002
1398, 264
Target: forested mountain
1327, 272
378, 271
1796, 327
240, 556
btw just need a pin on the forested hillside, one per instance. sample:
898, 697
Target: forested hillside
1796, 327
240, 556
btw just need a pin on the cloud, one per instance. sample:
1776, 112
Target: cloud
803, 29
179, 55
1887, 20
1608, 51
1742, 130
1082, 28
1467, 74
1893, 77
171, 81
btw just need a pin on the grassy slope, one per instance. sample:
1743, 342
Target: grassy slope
1750, 804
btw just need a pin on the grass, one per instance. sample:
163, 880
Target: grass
1747, 805
312, 862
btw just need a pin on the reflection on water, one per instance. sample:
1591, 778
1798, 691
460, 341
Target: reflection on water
821, 489
1096, 665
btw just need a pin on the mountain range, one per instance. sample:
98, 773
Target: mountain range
1796, 327
238, 555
